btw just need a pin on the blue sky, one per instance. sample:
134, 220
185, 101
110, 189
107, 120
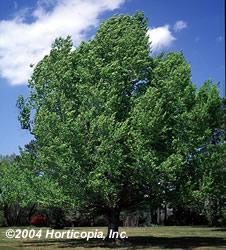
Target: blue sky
27, 29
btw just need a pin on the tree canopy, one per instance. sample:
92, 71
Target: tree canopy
115, 126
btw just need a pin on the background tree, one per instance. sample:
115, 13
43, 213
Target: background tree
15, 190
115, 127
22, 188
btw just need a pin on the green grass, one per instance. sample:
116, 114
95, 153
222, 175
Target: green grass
198, 238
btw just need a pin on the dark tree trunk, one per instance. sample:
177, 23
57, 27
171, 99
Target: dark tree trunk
18, 214
31, 212
165, 213
58, 218
6, 215
113, 224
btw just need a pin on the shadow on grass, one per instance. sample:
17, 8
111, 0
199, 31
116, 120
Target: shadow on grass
140, 241
223, 229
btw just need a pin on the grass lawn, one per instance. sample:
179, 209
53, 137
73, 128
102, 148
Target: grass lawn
138, 238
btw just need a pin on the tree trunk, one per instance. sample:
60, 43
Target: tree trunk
165, 213
31, 212
18, 214
158, 216
113, 224
6, 215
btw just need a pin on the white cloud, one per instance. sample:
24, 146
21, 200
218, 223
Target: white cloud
180, 25
160, 38
23, 43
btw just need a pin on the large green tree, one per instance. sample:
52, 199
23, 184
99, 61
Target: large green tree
114, 126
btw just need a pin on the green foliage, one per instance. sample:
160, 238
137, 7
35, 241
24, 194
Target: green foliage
22, 184
115, 126
14, 185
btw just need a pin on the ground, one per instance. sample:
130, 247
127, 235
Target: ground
159, 237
